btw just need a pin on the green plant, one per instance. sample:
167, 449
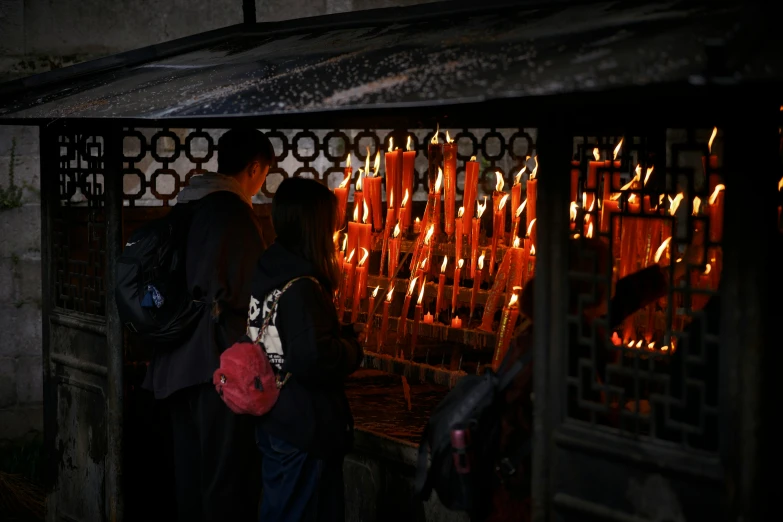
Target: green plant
11, 196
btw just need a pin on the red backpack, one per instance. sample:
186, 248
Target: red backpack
246, 379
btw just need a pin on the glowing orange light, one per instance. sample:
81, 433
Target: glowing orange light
502, 202
375, 292
390, 294
445, 262
364, 257
499, 183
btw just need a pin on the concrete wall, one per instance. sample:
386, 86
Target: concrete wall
37, 36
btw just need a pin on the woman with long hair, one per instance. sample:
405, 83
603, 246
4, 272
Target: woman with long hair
307, 433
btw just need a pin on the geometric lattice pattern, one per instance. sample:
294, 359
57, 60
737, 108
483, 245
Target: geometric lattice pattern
78, 222
159, 162
642, 344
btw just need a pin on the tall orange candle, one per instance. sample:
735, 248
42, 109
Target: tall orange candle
455, 292
476, 283
358, 193
385, 317
371, 312
361, 285
394, 163
517, 218
496, 293
408, 164
471, 188
353, 231
713, 159
715, 211
532, 194
458, 233
422, 270
404, 214
433, 203
508, 321
346, 285
387, 232
434, 158
531, 232
476, 236
441, 285
498, 219
449, 183
517, 271
373, 192
516, 200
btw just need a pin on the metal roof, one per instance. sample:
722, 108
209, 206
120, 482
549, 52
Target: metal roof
431, 54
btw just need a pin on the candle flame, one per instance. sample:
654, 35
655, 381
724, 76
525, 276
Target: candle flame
367, 162
696, 205
423, 265
391, 144
359, 178
532, 250
390, 294
513, 300
780, 184
521, 207
396, 230
647, 176
617, 148
409, 145
481, 261
707, 269
499, 183
460, 263
350, 257
366, 211
659, 252
412, 285
439, 181
651, 345
573, 210
639, 344
348, 161
481, 208
405, 199
443, 265
345, 244
637, 176
347, 178
712, 138
630, 344
516, 242
714, 195
434, 139
664, 348
461, 212
589, 230
421, 292
502, 202
375, 292
674, 204
364, 256
430, 231
596, 154
535, 169
417, 220
473, 158
592, 206
377, 165
356, 213
638, 171
518, 177
448, 138
632, 199
530, 226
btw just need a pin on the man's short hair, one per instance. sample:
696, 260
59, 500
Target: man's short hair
238, 147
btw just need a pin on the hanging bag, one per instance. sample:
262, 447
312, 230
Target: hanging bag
246, 379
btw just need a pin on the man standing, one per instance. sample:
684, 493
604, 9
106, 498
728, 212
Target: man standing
213, 447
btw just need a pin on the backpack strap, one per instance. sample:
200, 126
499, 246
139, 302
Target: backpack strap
268, 318
422, 486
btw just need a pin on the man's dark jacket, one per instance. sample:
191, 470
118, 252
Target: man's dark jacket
224, 246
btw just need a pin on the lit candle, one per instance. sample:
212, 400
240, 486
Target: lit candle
531, 263
353, 230
346, 286
421, 272
610, 182
434, 157
441, 285
385, 317
508, 322
455, 292
532, 193
361, 285
364, 231
713, 160
516, 200
416, 318
390, 220
358, 193
429, 318
417, 226
459, 233
394, 251
628, 239
342, 192
471, 186
393, 162
715, 211
531, 232
517, 270
404, 214
408, 163
373, 195
456, 322
476, 283
449, 183
432, 214
406, 304
498, 227
476, 235
371, 312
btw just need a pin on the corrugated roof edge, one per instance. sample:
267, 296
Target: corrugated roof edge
26, 87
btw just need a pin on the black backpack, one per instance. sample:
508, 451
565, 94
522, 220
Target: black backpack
461, 440
153, 300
